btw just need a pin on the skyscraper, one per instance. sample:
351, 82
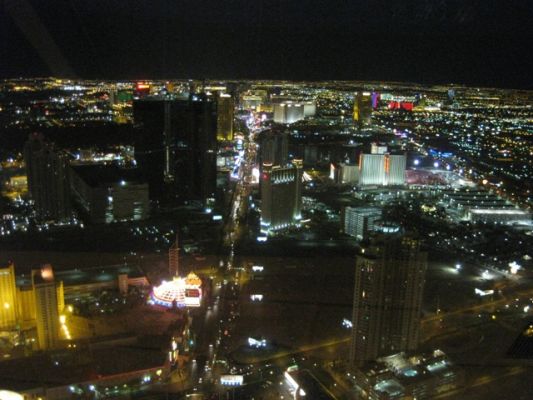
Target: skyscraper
362, 109
274, 147
382, 169
389, 282
46, 307
173, 258
288, 112
281, 196
8, 297
48, 180
225, 110
176, 146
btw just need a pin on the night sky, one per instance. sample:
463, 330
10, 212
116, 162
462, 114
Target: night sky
478, 42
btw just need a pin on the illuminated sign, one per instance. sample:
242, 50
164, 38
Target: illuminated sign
231, 380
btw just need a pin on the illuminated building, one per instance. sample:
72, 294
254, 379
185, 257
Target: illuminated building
362, 109
225, 109
359, 221
281, 196
179, 292
401, 376
108, 193
176, 146
46, 307
344, 173
389, 282
288, 113
48, 181
479, 205
142, 89
251, 102
309, 109
382, 169
8, 297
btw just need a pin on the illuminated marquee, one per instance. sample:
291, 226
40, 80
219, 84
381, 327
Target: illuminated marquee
183, 292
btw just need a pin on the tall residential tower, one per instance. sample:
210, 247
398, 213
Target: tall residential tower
48, 180
389, 281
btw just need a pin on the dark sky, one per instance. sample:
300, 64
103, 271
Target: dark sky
479, 42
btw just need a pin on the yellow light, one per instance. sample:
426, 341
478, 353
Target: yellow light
70, 308
62, 319
6, 305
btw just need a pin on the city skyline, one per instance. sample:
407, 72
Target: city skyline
341, 239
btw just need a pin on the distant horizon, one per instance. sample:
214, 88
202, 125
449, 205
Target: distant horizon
273, 80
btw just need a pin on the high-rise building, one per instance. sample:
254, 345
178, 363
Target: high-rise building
46, 307
174, 258
8, 297
359, 221
389, 282
382, 169
225, 110
176, 145
362, 109
288, 112
281, 196
274, 148
48, 180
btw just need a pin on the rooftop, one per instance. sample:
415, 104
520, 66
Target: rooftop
107, 175
89, 275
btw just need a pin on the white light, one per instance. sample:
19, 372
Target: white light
486, 274
256, 343
257, 268
436, 164
417, 161
291, 380
483, 293
91, 388
256, 297
458, 267
347, 323
122, 183
9, 395
514, 267
526, 309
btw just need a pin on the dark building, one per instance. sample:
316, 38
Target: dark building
48, 180
274, 148
389, 281
108, 193
176, 146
